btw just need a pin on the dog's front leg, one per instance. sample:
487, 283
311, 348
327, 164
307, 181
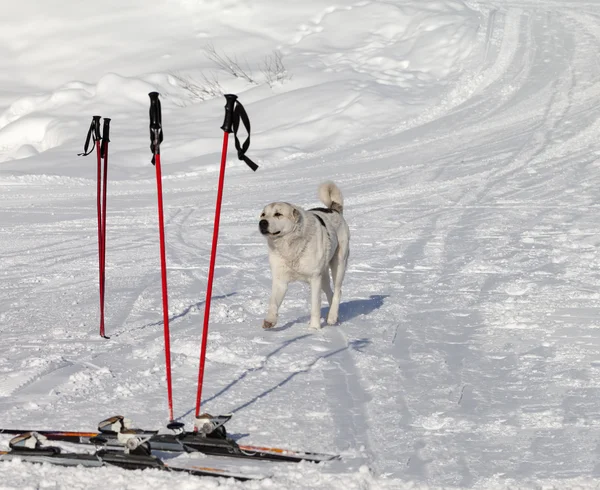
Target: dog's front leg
315, 303
277, 294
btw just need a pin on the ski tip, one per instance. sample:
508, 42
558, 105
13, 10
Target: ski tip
291, 454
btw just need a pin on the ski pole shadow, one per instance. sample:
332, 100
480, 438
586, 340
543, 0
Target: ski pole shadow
186, 311
356, 345
348, 310
247, 373
196, 306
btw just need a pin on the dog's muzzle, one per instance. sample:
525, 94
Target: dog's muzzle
263, 226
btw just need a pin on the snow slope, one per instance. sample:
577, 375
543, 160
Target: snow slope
463, 135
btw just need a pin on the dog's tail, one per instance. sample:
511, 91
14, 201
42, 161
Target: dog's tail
331, 196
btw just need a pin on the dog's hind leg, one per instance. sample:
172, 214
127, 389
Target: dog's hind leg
338, 271
277, 294
326, 286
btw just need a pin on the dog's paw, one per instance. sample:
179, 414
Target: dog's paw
315, 325
332, 316
267, 325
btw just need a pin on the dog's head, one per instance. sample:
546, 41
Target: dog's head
278, 219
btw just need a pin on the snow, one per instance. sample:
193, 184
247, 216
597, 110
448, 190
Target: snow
464, 137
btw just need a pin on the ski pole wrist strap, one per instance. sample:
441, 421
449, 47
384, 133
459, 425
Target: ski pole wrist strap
234, 113
92, 135
239, 113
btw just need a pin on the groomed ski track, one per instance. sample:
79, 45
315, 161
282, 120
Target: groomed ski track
467, 353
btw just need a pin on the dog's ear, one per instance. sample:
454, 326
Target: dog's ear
296, 214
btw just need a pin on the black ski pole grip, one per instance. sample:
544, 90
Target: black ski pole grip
156, 133
105, 137
229, 106
155, 115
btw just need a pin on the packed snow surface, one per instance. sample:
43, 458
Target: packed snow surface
464, 136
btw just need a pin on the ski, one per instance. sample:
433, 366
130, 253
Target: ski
210, 438
31, 447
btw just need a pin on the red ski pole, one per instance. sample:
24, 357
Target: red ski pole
103, 154
156, 138
100, 230
230, 125
94, 135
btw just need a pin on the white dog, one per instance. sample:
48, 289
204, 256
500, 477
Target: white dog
303, 246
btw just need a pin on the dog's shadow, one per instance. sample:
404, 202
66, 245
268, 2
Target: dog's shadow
348, 311
353, 308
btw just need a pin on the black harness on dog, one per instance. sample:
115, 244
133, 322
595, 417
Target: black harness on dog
322, 210
320, 220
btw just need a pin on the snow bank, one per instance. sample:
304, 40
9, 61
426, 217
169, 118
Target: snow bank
337, 81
